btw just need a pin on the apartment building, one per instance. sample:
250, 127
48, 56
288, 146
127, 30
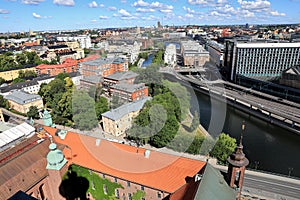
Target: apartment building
170, 55
259, 58
68, 66
104, 66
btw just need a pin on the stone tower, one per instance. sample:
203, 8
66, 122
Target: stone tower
56, 166
237, 165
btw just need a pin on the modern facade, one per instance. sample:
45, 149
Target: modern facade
117, 121
170, 55
83, 40
21, 101
193, 54
259, 58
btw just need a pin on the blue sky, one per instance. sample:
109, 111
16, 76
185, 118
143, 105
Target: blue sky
22, 15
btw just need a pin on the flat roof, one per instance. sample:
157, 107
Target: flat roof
160, 171
267, 45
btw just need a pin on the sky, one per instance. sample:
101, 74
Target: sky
39, 15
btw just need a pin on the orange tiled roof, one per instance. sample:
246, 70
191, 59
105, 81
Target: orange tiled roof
69, 62
90, 57
160, 171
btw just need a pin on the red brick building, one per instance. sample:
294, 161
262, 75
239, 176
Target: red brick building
68, 66
129, 92
103, 66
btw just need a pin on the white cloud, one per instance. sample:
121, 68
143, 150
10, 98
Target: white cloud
101, 5
111, 8
93, 4
144, 10
257, 5
154, 5
276, 13
32, 2
124, 13
123, 1
189, 10
194, 2
2, 11
103, 17
189, 15
64, 2
115, 15
166, 10
247, 13
218, 14
140, 3
93, 20
37, 16
227, 9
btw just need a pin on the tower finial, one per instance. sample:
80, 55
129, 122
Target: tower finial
243, 129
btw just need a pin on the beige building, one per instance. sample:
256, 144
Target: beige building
12, 74
193, 54
21, 101
117, 121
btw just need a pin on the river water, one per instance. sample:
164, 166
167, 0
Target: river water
267, 146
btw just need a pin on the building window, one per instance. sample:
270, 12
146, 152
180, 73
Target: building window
104, 189
129, 196
117, 193
103, 175
158, 195
116, 180
142, 188
128, 183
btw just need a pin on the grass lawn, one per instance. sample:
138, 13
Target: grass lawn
96, 184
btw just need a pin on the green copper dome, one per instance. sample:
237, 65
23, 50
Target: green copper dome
55, 158
47, 118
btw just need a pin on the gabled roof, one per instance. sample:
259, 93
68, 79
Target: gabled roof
125, 109
213, 186
160, 171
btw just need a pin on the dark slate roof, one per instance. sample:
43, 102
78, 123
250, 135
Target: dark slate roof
213, 186
58, 46
92, 79
18, 86
119, 76
119, 112
128, 87
21, 97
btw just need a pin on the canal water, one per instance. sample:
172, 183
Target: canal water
148, 61
268, 147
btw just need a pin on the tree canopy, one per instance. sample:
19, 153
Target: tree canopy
224, 146
33, 112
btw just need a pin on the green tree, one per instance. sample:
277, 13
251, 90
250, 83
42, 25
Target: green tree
2, 80
224, 146
18, 80
21, 59
101, 106
84, 114
27, 74
3, 102
33, 112
62, 76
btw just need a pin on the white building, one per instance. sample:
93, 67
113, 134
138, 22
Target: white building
83, 40
170, 55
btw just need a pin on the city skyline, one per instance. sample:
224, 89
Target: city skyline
38, 15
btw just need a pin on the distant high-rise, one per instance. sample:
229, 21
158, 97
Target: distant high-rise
259, 58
